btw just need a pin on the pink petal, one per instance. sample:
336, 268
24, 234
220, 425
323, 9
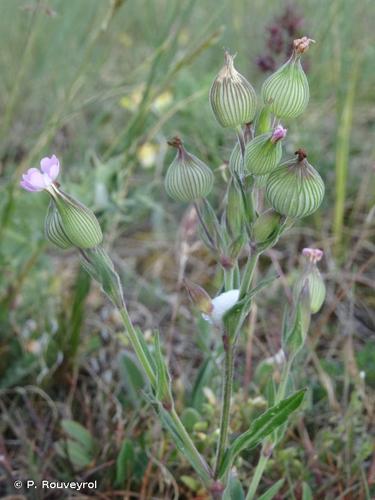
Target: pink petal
50, 166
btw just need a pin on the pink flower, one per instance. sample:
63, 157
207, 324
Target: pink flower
278, 134
313, 254
38, 180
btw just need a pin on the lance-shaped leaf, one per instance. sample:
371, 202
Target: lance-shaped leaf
294, 336
272, 491
261, 428
234, 490
99, 266
197, 465
163, 379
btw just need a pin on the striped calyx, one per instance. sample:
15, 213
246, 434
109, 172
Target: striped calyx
316, 286
286, 91
54, 229
263, 121
78, 222
187, 178
295, 188
236, 165
233, 99
263, 154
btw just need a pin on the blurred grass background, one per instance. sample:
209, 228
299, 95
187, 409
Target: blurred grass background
103, 84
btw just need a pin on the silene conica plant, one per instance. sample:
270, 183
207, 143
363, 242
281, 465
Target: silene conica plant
251, 224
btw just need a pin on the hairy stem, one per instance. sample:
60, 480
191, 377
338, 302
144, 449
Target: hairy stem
225, 408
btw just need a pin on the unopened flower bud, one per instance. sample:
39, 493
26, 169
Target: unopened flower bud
287, 90
265, 225
199, 297
78, 222
54, 228
313, 278
187, 178
295, 188
234, 213
263, 154
233, 99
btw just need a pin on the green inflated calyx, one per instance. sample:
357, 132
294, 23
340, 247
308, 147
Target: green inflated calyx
54, 230
232, 98
263, 154
187, 178
78, 222
286, 91
295, 188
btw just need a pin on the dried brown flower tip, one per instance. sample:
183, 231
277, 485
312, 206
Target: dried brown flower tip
302, 44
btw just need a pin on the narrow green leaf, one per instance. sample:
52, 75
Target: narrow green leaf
306, 492
272, 491
234, 490
178, 442
124, 462
133, 377
294, 337
163, 379
261, 428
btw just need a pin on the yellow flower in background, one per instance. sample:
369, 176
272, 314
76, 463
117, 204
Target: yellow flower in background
183, 37
132, 101
125, 39
162, 101
147, 154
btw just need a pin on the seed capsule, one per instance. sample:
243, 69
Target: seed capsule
233, 99
79, 223
187, 178
54, 229
287, 90
263, 154
295, 188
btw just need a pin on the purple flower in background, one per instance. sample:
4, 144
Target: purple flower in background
313, 254
266, 63
278, 134
38, 180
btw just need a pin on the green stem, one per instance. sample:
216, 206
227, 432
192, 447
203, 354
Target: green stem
248, 274
204, 226
241, 141
264, 457
227, 394
229, 346
137, 346
228, 278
